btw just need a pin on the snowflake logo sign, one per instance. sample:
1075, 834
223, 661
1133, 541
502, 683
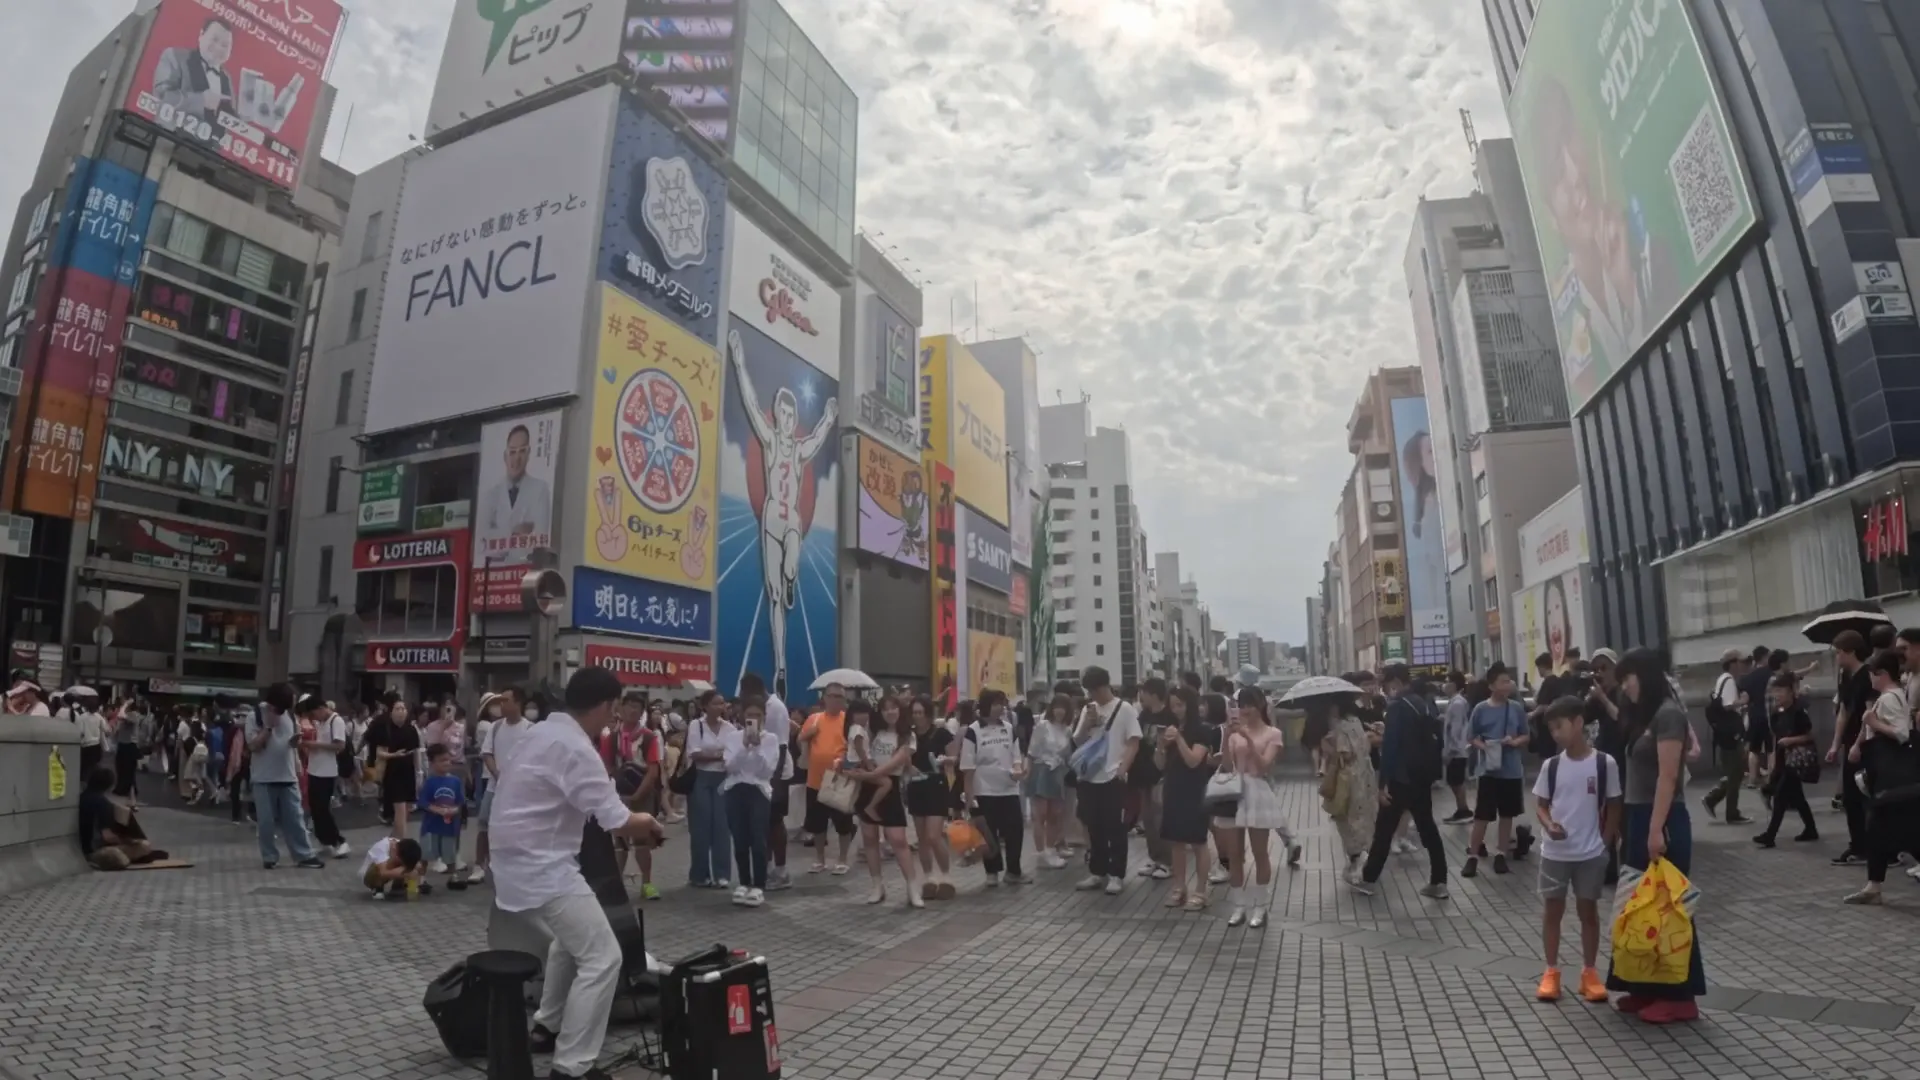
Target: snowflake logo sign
658, 441
676, 212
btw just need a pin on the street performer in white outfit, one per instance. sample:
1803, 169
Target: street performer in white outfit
540, 812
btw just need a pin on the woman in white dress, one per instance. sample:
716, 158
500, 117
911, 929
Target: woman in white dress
1252, 750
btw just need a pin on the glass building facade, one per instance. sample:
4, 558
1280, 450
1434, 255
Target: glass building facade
796, 124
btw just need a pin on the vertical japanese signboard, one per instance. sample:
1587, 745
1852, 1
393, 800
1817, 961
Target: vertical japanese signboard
80, 321
946, 616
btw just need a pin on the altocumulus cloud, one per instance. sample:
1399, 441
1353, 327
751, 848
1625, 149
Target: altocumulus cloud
1196, 209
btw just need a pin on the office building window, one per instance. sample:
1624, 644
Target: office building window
1060, 560
357, 318
1096, 581
370, 240
1099, 627
1099, 650
324, 595
333, 484
343, 408
1062, 514
1099, 601
1096, 558
1093, 492
1063, 493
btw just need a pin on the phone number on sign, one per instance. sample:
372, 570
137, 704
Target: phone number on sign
237, 148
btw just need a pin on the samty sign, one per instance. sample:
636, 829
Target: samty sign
493, 256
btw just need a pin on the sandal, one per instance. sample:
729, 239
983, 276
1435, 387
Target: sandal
839, 869
817, 868
1197, 902
1176, 899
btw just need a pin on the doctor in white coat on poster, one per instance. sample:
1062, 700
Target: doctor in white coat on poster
516, 513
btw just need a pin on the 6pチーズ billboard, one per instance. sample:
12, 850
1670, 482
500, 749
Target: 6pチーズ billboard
488, 280
1423, 540
240, 79
656, 448
518, 461
1634, 182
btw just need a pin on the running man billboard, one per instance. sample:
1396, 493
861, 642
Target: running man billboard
778, 558
1634, 182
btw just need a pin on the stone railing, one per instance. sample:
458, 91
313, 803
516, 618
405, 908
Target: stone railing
39, 801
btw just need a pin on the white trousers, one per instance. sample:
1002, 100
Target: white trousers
583, 973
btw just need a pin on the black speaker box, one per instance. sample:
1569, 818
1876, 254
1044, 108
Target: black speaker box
456, 1002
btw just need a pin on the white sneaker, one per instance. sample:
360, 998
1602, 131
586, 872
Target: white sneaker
1257, 919
1237, 916
1052, 861
756, 897
1115, 886
1218, 876
913, 896
1353, 871
1019, 879
740, 895
342, 850
1146, 870
437, 867
1404, 846
1914, 873
778, 878
1161, 873
878, 895
1091, 882
479, 875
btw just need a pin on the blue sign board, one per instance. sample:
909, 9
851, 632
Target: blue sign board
104, 227
987, 550
665, 222
618, 604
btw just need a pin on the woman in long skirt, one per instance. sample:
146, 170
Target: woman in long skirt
1351, 789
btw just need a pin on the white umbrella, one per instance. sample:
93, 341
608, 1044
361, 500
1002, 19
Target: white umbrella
847, 677
1314, 686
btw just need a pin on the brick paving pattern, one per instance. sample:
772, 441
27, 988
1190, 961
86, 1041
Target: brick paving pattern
227, 970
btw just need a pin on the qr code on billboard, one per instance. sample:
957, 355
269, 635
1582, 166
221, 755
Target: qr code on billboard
1706, 183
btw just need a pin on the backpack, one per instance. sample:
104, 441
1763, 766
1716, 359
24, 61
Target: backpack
1728, 725
1600, 771
1424, 740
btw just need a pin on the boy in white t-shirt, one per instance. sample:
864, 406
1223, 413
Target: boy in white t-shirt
1578, 800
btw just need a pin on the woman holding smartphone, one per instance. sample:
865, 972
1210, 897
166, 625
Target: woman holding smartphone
929, 798
399, 745
752, 757
1185, 753
889, 748
707, 742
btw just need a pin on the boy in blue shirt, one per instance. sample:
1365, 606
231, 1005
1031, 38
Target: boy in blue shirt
443, 798
1498, 728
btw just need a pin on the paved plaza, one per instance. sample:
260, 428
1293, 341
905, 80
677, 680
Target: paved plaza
227, 970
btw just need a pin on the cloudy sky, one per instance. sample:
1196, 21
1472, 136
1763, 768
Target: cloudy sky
1196, 209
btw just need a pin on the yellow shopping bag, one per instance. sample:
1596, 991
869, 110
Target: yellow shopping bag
1653, 927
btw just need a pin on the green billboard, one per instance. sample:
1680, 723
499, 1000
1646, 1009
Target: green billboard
1636, 187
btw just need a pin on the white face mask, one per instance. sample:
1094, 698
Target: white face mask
533, 712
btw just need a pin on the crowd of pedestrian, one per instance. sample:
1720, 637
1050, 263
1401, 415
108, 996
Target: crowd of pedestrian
1064, 779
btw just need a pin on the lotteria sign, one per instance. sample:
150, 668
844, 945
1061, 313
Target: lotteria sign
408, 551
651, 667
396, 656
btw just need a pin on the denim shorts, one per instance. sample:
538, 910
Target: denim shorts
437, 846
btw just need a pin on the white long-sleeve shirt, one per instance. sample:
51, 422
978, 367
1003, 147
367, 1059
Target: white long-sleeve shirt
540, 810
752, 765
702, 738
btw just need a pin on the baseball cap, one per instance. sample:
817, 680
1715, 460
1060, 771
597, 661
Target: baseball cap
1605, 654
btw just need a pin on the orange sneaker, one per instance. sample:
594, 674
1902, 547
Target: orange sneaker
1549, 986
1592, 987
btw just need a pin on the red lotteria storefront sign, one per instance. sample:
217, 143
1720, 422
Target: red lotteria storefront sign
421, 549
651, 667
413, 656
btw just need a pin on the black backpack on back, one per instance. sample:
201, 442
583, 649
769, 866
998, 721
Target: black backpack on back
1424, 742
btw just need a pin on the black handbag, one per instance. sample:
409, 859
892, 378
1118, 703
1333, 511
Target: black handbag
681, 783
1893, 772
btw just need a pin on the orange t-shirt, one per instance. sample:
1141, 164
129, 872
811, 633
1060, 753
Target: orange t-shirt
828, 744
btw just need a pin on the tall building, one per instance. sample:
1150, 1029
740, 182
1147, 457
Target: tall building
1503, 449
1245, 650
1393, 561
1099, 578
1732, 299
589, 413
1316, 637
1186, 623
166, 265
